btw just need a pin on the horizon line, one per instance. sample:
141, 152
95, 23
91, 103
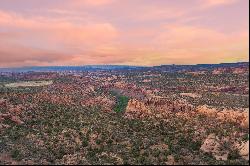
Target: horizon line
125, 65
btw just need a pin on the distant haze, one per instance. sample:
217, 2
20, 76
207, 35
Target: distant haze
123, 32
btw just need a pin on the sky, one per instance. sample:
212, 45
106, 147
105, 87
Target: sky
123, 32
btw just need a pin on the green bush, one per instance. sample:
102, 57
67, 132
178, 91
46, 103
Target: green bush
16, 154
122, 102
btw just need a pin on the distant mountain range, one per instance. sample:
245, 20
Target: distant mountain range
199, 67
168, 68
71, 68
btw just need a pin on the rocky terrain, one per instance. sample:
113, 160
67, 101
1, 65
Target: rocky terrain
144, 116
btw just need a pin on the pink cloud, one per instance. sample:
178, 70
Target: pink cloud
87, 3
16, 55
199, 44
144, 13
97, 2
56, 37
58, 31
129, 32
214, 3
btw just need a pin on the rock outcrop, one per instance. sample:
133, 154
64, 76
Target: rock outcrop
239, 117
212, 145
243, 149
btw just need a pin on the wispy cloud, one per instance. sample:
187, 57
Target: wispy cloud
96, 2
215, 3
87, 3
57, 30
140, 32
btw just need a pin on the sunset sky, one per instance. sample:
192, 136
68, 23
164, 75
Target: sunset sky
131, 32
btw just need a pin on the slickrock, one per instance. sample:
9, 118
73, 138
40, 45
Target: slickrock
212, 145
162, 107
240, 117
193, 95
243, 149
137, 108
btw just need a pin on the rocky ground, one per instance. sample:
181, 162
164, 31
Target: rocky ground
73, 121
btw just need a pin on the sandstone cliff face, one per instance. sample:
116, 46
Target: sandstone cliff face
136, 108
237, 70
239, 117
161, 107
158, 107
156, 101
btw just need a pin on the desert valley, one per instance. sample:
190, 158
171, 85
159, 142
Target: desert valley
152, 115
